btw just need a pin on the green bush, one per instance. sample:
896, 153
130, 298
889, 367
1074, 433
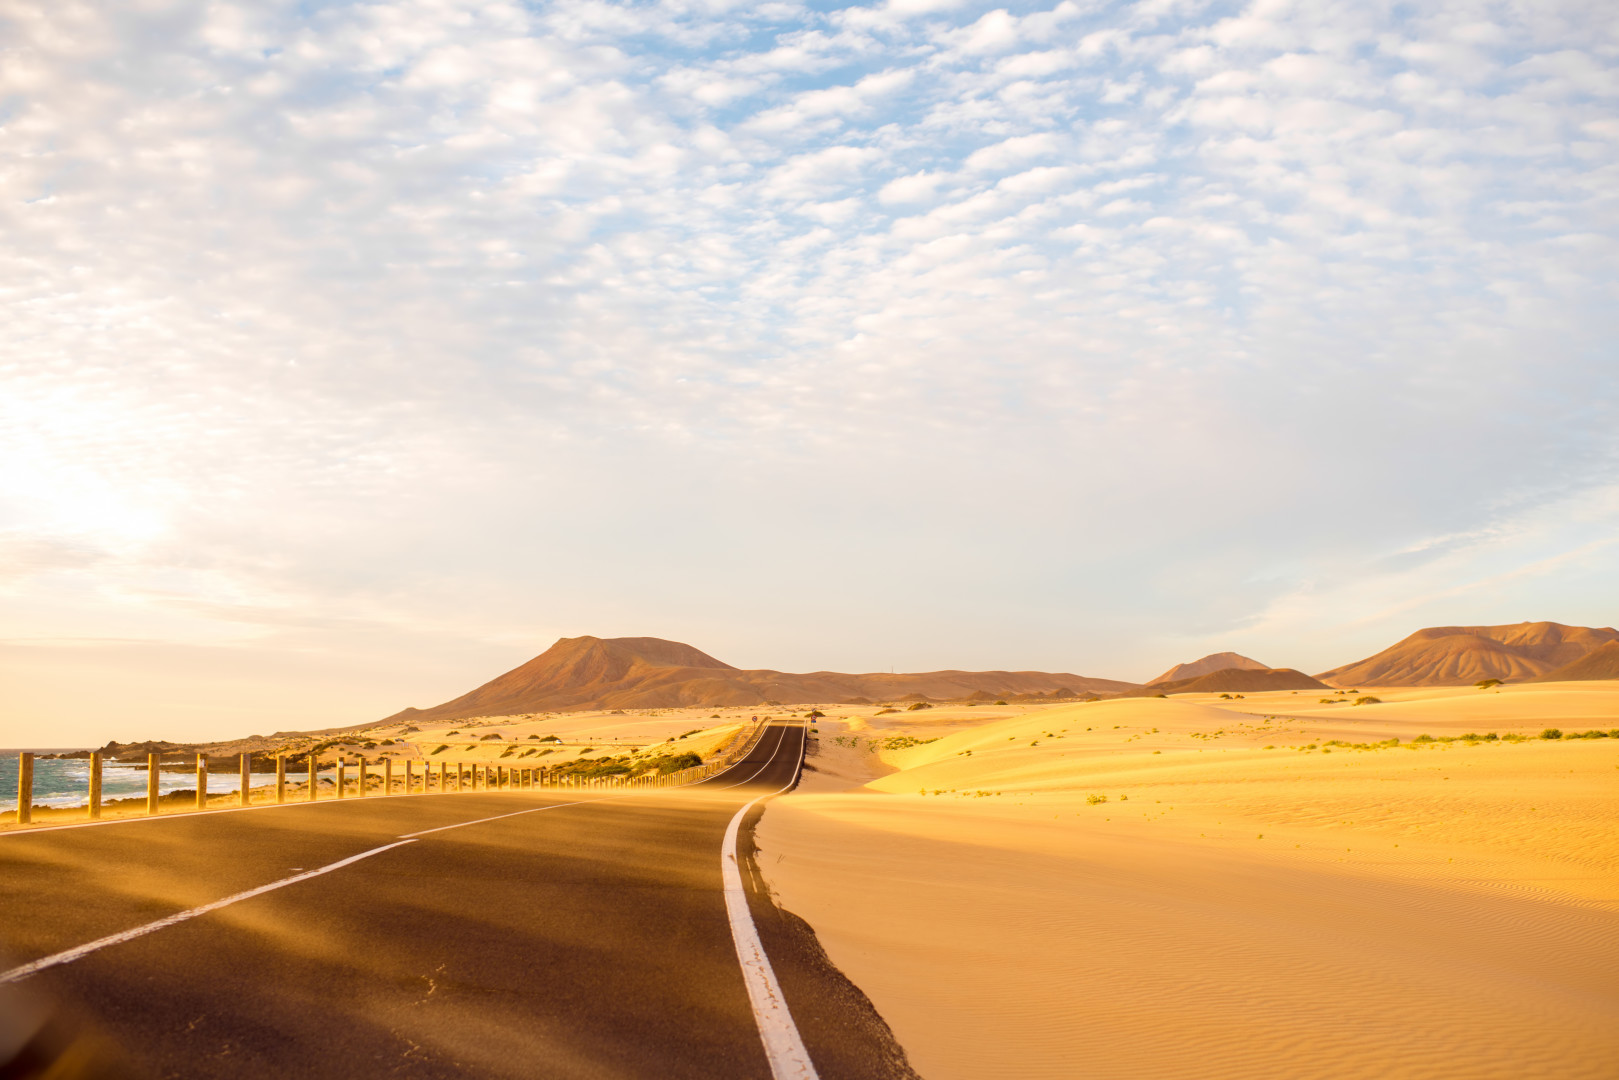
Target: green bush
1094, 799
1551, 733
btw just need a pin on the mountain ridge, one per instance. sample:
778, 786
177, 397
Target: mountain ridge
601, 673
1457, 655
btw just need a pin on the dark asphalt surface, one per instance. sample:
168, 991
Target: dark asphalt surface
585, 939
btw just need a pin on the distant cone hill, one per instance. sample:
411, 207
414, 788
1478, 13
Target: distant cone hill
1209, 665
620, 673
643, 672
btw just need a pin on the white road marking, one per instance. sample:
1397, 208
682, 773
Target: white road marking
17, 974
515, 813
783, 1046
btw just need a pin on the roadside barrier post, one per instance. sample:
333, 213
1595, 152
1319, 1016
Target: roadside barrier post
314, 769
95, 784
202, 782
246, 767
281, 778
443, 775
151, 784
360, 770
339, 778
25, 788
408, 771
388, 776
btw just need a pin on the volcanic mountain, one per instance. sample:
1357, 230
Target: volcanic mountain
1234, 680
619, 673
1600, 663
1457, 655
1220, 661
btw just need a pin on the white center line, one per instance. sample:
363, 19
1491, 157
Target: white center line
17, 974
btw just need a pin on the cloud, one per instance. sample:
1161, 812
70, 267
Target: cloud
491, 322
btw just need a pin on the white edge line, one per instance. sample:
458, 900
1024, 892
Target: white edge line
17, 974
784, 1047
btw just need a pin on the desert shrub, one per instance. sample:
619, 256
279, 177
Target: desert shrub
1423, 738
1226, 697
815, 714
1368, 700
999, 701
1094, 799
441, 748
1551, 733
456, 732
676, 762
905, 742
491, 737
1485, 684
536, 736
915, 705
884, 712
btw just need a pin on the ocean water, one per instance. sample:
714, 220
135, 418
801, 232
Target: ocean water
66, 782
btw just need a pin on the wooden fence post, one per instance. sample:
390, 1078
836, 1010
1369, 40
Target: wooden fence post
360, 769
340, 777
202, 781
95, 784
314, 775
25, 788
151, 783
246, 767
388, 776
280, 778
408, 771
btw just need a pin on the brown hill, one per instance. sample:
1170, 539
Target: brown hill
620, 673
1457, 655
1235, 680
1600, 663
1220, 661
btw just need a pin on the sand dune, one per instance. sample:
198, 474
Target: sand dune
1456, 655
1219, 661
1435, 909
641, 673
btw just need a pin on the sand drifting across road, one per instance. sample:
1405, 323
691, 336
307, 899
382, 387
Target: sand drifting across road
1448, 910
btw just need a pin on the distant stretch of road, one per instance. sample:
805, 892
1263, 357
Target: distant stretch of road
496, 934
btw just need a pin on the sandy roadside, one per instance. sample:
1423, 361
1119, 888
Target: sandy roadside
1449, 910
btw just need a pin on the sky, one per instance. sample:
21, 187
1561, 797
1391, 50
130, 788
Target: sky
351, 353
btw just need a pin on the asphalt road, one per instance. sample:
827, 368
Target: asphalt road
583, 935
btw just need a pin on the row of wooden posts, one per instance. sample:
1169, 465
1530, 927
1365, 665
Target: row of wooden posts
475, 776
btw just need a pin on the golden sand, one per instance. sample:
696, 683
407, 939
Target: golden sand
1447, 910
